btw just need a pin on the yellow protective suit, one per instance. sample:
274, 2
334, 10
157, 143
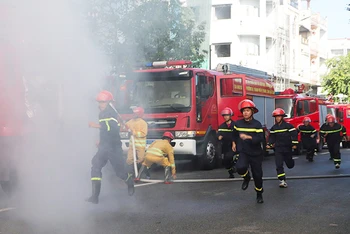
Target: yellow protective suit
139, 129
161, 153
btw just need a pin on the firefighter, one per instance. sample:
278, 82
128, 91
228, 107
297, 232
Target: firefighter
283, 138
225, 134
138, 128
333, 133
109, 147
247, 139
161, 152
309, 138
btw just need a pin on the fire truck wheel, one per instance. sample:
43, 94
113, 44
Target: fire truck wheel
208, 159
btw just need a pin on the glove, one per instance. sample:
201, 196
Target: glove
174, 176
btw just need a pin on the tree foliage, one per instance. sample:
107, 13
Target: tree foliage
338, 78
133, 32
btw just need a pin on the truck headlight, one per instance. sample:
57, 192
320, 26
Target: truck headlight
185, 134
124, 135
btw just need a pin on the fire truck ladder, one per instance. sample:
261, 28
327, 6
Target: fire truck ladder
228, 68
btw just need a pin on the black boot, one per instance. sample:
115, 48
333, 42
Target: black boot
230, 172
246, 181
259, 197
130, 182
96, 188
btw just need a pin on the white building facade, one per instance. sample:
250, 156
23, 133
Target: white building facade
339, 47
276, 36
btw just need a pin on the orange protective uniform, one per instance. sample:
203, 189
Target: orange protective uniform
139, 129
161, 153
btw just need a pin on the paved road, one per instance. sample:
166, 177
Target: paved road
306, 206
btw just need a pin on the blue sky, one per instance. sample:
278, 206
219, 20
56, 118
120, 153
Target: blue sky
338, 18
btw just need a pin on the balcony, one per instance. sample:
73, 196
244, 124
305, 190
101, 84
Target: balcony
314, 49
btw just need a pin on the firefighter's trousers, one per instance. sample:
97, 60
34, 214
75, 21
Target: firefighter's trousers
286, 156
228, 161
255, 162
334, 150
151, 159
140, 155
310, 146
114, 155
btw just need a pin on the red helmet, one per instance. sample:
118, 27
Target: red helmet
227, 111
246, 103
168, 135
104, 96
330, 119
138, 111
278, 112
307, 119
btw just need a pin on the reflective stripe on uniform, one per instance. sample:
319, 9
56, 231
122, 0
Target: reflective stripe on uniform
225, 130
280, 130
258, 189
249, 129
172, 165
96, 178
139, 134
280, 175
336, 160
245, 174
155, 151
303, 131
107, 124
292, 129
295, 142
139, 142
334, 131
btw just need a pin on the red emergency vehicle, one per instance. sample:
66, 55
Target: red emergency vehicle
299, 105
187, 101
342, 114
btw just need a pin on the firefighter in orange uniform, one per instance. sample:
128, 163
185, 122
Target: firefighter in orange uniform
109, 147
161, 152
138, 128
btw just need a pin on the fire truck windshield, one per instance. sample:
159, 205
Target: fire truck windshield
286, 104
158, 95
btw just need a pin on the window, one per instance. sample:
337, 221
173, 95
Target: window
223, 50
231, 87
204, 86
223, 12
303, 108
337, 52
313, 106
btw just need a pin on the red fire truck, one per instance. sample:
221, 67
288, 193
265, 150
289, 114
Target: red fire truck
187, 101
298, 105
342, 114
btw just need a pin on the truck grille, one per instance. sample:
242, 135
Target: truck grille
161, 123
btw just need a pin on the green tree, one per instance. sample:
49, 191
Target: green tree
338, 78
133, 32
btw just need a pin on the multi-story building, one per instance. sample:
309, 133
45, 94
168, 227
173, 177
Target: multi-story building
277, 36
339, 47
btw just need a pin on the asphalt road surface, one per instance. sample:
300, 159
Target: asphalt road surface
306, 206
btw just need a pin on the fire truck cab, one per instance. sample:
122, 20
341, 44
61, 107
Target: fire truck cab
298, 105
187, 102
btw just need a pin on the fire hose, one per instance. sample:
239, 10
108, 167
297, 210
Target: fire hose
241, 179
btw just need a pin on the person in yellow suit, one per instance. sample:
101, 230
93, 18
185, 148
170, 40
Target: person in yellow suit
138, 128
161, 152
